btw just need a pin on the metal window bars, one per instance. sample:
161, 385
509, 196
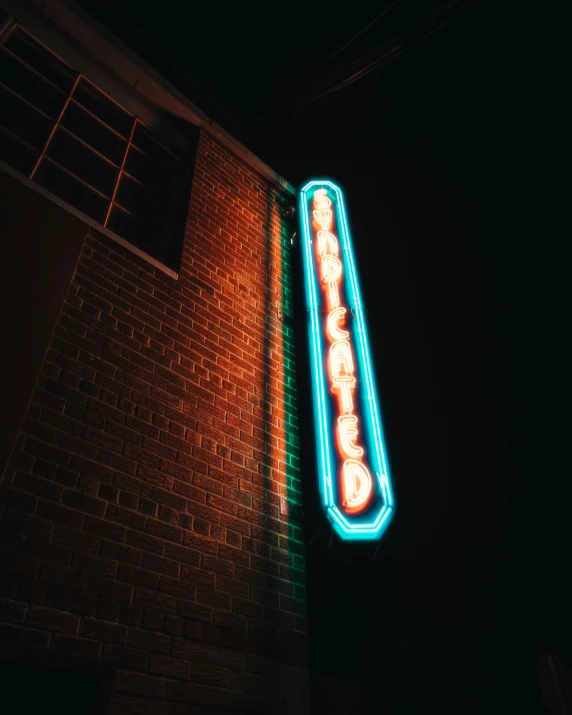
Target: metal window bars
74, 97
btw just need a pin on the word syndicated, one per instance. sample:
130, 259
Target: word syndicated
356, 481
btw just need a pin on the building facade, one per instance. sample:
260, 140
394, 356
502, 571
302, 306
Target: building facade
149, 454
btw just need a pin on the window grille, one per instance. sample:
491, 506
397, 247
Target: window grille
60, 130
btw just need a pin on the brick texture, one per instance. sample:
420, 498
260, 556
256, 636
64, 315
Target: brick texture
140, 517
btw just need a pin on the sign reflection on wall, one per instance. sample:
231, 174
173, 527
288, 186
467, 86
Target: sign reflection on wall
353, 472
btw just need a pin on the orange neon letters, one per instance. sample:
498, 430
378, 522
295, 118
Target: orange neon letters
341, 360
324, 218
357, 485
327, 240
348, 431
321, 201
335, 317
331, 273
356, 481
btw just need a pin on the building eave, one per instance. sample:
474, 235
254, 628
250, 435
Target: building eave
96, 40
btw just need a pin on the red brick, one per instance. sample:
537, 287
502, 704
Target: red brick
236, 555
142, 684
52, 620
233, 621
197, 575
131, 615
59, 514
47, 452
160, 565
145, 542
156, 707
80, 647
187, 692
216, 599
174, 626
24, 636
36, 486
182, 554
194, 611
161, 601
105, 529
154, 455
44, 550
218, 566
103, 631
128, 500
169, 499
83, 503
262, 595
11, 611
110, 589
120, 552
108, 610
177, 587
17, 564
148, 641
117, 461
279, 617
125, 516
84, 603
138, 576
247, 608
27, 524
160, 664
8, 584
128, 658
152, 619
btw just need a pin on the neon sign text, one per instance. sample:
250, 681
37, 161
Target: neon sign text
353, 472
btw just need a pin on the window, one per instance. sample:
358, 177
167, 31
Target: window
61, 131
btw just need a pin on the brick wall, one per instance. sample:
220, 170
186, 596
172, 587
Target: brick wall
140, 511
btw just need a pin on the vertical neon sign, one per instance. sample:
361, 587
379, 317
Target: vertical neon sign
354, 478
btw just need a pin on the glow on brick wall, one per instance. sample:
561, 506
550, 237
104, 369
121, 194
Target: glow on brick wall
353, 472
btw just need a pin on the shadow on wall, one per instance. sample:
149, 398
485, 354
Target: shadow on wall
280, 445
34, 280
73, 684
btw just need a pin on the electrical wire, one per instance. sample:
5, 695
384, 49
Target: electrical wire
385, 52
349, 42
374, 59
378, 51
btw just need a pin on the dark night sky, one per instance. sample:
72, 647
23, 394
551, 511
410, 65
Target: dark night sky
438, 156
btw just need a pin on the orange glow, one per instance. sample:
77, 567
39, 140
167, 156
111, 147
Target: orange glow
333, 295
323, 217
327, 243
343, 385
341, 359
321, 201
356, 481
357, 485
331, 268
331, 274
336, 317
348, 432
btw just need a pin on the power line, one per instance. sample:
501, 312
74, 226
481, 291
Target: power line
389, 50
372, 55
358, 34
374, 59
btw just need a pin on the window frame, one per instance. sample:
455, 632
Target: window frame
177, 204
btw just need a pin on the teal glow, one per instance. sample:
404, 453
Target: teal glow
348, 527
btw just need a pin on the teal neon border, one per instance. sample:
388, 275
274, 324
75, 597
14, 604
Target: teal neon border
347, 527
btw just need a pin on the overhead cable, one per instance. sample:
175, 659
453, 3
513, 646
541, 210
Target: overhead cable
384, 53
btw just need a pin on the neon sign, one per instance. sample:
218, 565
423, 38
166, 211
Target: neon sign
353, 472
